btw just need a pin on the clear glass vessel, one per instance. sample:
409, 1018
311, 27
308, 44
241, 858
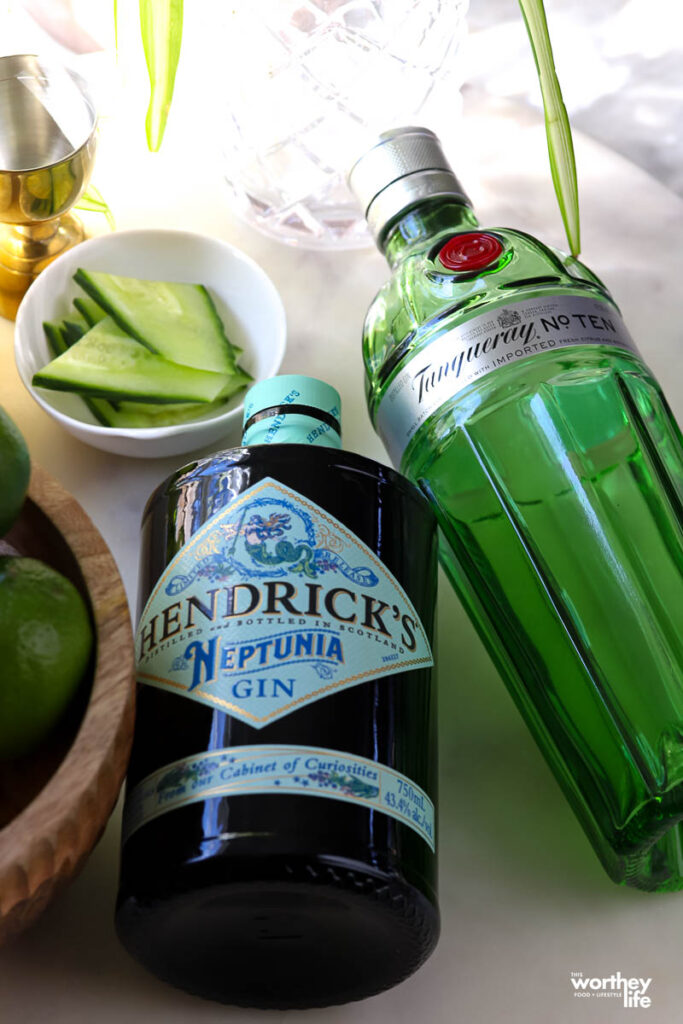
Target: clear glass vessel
306, 82
503, 382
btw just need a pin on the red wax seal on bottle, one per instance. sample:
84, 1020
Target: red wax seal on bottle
472, 251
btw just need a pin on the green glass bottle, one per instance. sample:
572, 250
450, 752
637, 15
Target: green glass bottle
502, 380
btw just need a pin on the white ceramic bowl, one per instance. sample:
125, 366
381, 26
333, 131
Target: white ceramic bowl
245, 298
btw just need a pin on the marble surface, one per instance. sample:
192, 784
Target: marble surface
524, 900
620, 64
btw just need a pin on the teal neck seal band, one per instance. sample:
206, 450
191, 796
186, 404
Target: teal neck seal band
292, 409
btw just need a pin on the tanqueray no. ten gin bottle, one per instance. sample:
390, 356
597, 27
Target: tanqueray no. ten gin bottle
503, 381
278, 841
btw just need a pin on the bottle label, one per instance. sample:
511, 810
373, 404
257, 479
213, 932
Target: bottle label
303, 771
500, 336
274, 604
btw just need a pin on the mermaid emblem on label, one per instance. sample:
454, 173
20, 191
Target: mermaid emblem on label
273, 537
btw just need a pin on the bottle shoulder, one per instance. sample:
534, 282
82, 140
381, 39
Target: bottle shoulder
423, 297
304, 468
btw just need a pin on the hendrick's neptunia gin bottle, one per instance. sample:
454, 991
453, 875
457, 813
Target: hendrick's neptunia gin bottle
278, 844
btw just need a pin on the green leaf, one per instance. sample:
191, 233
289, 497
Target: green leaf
161, 23
557, 128
93, 201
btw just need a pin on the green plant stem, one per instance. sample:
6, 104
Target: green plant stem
557, 127
93, 201
161, 24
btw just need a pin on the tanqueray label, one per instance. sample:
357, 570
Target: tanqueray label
271, 605
299, 770
500, 336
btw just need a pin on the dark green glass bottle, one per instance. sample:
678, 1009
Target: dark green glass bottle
504, 382
279, 846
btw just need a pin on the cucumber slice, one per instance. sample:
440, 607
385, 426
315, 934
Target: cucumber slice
89, 310
56, 342
177, 321
74, 326
103, 411
106, 363
62, 334
236, 381
129, 415
140, 414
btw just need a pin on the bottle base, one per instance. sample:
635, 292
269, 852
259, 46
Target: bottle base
334, 937
649, 855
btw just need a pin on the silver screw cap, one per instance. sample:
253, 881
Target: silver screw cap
404, 167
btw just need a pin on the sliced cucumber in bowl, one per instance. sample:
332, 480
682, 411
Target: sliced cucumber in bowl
143, 416
128, 382
107, 363
177, 321
89, 309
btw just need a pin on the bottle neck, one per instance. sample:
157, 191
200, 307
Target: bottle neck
294, 425
292, 409
417, 228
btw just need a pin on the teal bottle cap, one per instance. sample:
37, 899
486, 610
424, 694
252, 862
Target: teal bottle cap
292, 409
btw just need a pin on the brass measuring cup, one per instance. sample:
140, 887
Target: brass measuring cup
47, 151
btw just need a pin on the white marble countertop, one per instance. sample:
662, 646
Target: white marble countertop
620, 64
524, 900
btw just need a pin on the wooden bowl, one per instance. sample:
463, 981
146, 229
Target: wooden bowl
55, 803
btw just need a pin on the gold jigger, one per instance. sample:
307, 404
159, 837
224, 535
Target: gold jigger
47, 151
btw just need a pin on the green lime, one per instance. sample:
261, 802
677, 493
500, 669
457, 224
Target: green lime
45, 644
15, 469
